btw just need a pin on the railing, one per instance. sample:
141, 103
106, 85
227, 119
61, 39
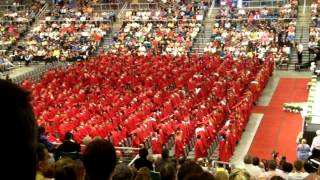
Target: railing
224, 164
42, 10
211, 20
36, 73
129, 154
4, 7
143, 6
106, 6
16, 21
122, 10
75, 20
262, 3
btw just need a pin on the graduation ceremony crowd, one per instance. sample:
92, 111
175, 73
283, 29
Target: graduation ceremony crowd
147, 93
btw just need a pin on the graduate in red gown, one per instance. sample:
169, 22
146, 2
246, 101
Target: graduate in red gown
200, 151
178, 152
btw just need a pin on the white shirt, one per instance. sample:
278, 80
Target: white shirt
300, 47
253, 170
297, 175
315, 143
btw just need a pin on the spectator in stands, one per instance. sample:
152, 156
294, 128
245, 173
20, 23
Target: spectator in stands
44, 140
99, 160
272, 166
143, 174
308, 167
17, 113
142, 161
168, 171
298, 172
303, 150
277, 178
188, 168
315, 146
68, 169
202, 176
286, 169
237, 174
68, 146
221, 175
122, 172
220, 168
43, 162
256, 162
165, 158
254, 171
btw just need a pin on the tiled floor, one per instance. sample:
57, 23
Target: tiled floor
255, 119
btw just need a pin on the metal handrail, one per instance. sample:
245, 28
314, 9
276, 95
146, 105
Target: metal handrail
132, 161
7, 7
143, 6
102, 6
42, 10
75, 20
122, 10
15, 21
262, 4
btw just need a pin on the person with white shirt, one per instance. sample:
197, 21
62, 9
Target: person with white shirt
299, 52
272, 165
315, 146
298, 173
254, 171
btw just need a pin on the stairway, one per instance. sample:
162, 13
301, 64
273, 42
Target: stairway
302, 34
204, 36
107, 40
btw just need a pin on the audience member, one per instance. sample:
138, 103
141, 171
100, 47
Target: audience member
165, 158
143, 174
43, 162
298, 172
315, 146
221, 175
17, 113
44, 140
286, 168
271, 170
254, 171
189, 168
122, 172
239, 174
142, 161
168, 171
99, 160
202, 176
309, 168
68, 169
68, 146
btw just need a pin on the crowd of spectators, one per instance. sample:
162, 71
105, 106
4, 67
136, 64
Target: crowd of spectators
170, 29
65, 34
315, 26
15, 21
247, 32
